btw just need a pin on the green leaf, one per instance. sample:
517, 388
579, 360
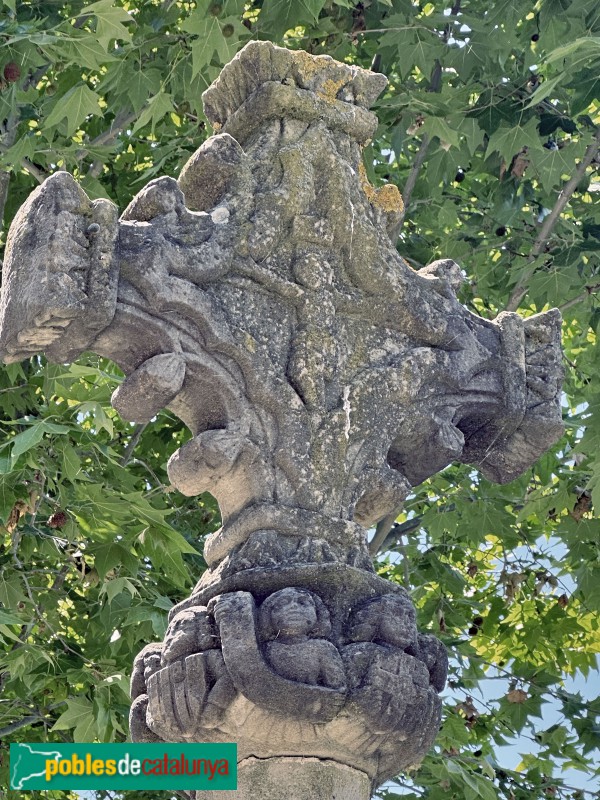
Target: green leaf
414, 45
27, 439
157, 107
84, 47
594, 484
576, 52
211, 39
79, 711
473, 134
279, 16
585, 92
6, 633
106, 557
159, 547
86, 730
436, 126
116, 587
177, 540
23, 148
93, 188
140, 85
101, 420
163, 602
549, 285
9, 619
545, 89
510, 140
53, 427
11, 592
75, 106
109, 21
552, 166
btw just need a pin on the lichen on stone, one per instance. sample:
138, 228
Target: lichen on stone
387, 198
330, 89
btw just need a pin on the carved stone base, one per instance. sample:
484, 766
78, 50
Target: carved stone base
295, 779
315, 661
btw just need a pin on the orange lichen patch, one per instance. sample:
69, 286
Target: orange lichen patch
308, 65
388, 198
367, 188
330, 89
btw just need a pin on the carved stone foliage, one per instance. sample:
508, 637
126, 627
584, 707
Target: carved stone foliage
288, 671
260, 298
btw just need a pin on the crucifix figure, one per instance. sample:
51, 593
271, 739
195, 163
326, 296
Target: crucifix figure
260, 298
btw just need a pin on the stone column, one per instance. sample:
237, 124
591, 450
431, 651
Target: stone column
259, 297
295, 779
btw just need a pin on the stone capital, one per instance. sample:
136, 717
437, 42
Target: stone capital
260, 298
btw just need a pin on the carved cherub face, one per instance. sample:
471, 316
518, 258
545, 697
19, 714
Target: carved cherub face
398, 625
387, 620
147, 662
151, 665
293, 612
190, 631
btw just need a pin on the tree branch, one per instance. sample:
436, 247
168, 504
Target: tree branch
435, 85
405, 564
118, 125
384, 526
139, 429
413, 175
435, 82
34, 77
39, 173
6, 142
520, 289
24, 722
395, 533
4, 182
589, 290
8, 139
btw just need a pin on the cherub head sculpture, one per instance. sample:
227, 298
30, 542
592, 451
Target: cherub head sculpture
292, 613
387, 620
147, 662
190, 631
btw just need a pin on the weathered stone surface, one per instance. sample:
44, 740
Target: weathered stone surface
207, 175
294, 672
295, 779
260, 298
64, 292
150, 388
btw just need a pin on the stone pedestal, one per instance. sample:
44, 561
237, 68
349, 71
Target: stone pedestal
295, 779
259, 297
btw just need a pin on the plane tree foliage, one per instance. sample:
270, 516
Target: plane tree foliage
491, 128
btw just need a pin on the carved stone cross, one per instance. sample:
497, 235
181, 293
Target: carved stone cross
260, 298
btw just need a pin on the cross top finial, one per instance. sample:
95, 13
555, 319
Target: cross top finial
261, 299
262, 63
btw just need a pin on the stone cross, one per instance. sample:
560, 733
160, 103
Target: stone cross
260, 298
